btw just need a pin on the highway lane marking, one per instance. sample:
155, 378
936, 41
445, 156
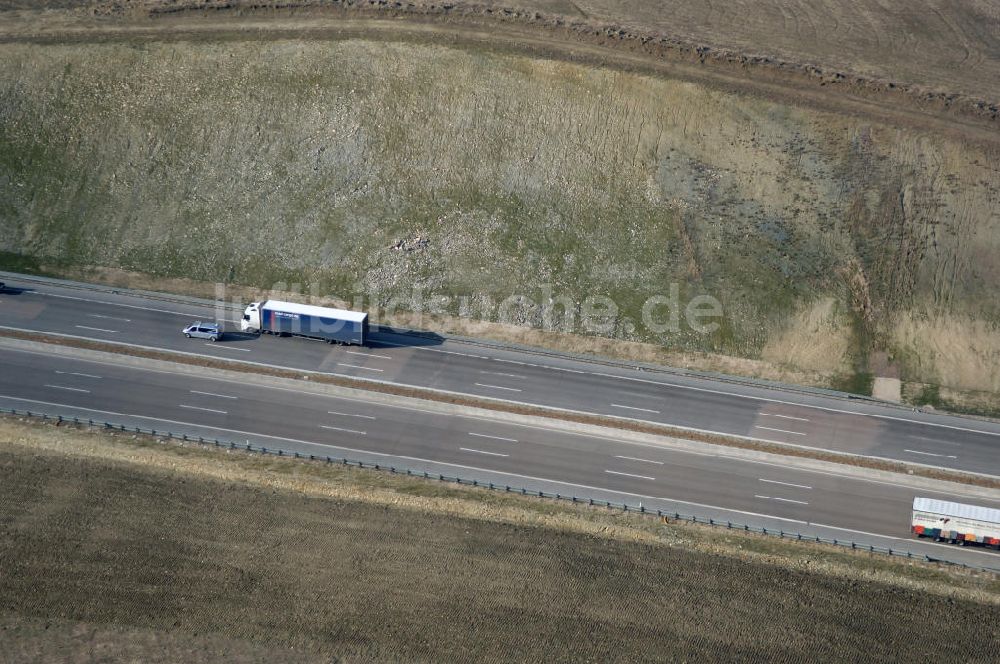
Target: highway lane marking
71, 389
216, 345
660, 463
786, 417
797, 486
499, 387
483, 435
355, 366
932, 454
354, 352
938, 441
360, 433
118, 304
794, 433
641, 477
500, 373
97, 329
366, 417
783, 500
540, 366
74, 373
435, 350
549, 429
207, 410
587, 487
469, 449
645, 410
125, 320
213, 394
828, 409
421, 460
658, 383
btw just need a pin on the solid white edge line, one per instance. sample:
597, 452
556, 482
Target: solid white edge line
63, 387
519, 403
207, 410
469, 449
118, 304
500, 472
570, 410
828, 409
419, 459
593, 373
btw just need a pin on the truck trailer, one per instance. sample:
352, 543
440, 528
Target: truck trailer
956, 522
305, 320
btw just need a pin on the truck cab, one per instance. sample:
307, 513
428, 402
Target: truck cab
251, 318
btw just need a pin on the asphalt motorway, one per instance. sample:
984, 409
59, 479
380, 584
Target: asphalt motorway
790, 417
319, 424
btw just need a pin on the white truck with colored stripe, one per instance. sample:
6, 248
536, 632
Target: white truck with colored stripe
956, 522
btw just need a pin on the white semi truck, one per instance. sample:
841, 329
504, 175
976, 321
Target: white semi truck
305, 320
956, 522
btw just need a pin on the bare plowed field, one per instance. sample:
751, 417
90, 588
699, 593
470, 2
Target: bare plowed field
942, 44
114, 559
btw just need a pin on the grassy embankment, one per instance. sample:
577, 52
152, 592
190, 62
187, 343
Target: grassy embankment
259, 163
121, 546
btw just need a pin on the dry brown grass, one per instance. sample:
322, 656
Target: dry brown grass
127, 546
818, 338
959, 352
766, 204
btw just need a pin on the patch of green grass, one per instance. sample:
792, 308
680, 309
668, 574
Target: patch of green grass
858, 382
13, 262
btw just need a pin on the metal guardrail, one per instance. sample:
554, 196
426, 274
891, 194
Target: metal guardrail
506, 488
